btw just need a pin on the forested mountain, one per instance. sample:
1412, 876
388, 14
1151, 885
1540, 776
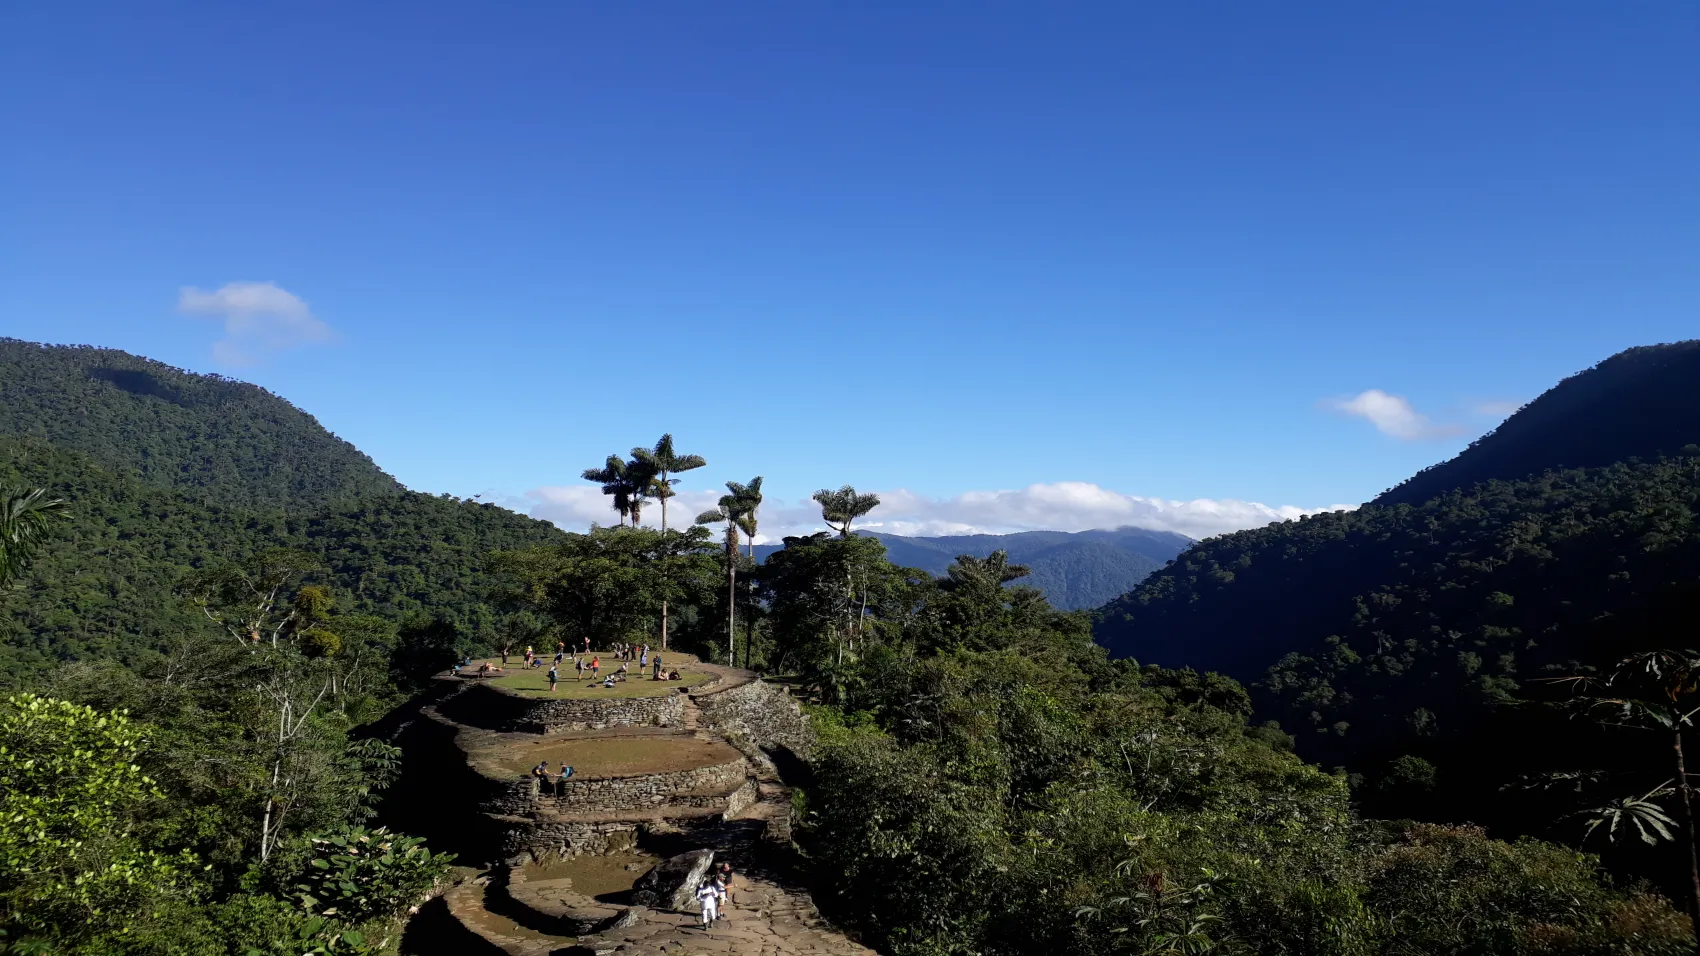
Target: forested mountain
103, 587
1420, 643
212, 438
1075, 570
1640, 403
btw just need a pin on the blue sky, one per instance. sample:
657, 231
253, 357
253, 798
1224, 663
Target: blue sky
1158, 250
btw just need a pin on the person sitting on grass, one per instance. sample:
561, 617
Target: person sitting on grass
608, 681
673, 676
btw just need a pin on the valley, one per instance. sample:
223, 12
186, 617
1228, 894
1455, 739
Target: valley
1358, 732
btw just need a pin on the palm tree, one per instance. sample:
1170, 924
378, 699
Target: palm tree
665, 463
612, 477
731, 509
25, 519
749, 497
843, 506
641, 485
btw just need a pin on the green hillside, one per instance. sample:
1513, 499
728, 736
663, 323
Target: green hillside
1640, 403
209, 437
103, 587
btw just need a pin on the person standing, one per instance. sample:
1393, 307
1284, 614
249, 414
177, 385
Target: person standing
504, 655
709, 896
540, 777
528, 655
553, 677
578, 662
587, 644
566, 772
595, 666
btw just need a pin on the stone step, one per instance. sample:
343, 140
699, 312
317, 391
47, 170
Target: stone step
467, 904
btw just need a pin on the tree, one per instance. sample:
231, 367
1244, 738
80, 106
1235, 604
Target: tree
839, 508
606, 584
1657, 691
665, 462
615, 483
730, 510
26, 517
750, 495
249, 600
71, 794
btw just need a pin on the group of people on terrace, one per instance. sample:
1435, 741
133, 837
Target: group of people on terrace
625, 654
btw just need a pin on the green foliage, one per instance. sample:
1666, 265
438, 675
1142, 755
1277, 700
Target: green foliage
26, 518
609, 584
71, 867
107, 582
1404, 622
359, 875
1450, 891
212, 438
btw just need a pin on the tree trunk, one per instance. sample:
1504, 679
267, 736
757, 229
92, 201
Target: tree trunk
664, 545
1688, 825
732, 610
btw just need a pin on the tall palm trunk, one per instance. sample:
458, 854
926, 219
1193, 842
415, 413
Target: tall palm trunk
731, 593
664, 545
1688, 826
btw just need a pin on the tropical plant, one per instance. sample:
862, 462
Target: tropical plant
730, 510
840, 508
71, 794
1657, 691
26, 517
616, 483
665, 462
750, 496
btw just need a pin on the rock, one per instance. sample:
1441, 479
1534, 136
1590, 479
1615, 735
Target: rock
672, 883
628, 917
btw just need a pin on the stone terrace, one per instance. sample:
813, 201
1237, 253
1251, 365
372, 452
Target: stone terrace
688, 768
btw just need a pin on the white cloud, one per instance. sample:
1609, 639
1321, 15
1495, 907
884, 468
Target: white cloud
1057, 506
259, 318
577, 507
1391, 415
1496, 409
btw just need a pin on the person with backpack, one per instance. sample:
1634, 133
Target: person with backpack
553, 677
708, 895
566, 771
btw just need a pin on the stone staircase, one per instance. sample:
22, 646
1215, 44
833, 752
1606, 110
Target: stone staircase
731, 800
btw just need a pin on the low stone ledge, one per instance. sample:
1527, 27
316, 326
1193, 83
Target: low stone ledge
625, 792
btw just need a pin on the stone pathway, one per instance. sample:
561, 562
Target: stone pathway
541, 917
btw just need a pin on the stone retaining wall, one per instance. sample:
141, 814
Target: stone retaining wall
760, 714
542, 715
631, 792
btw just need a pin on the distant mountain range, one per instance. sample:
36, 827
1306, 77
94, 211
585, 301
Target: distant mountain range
1075, 570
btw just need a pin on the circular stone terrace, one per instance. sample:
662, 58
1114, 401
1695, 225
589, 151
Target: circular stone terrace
517, 679
599, 757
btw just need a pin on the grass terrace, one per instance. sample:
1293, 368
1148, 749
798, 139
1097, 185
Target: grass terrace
621, 756
534, 682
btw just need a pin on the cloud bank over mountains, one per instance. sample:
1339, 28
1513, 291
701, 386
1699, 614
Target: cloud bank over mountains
1055, 506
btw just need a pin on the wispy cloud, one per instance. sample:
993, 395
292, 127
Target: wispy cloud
1392, 415
1057, 506
259, 318
1495, 409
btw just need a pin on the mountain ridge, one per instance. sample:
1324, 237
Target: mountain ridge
1076, 570
219, 439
